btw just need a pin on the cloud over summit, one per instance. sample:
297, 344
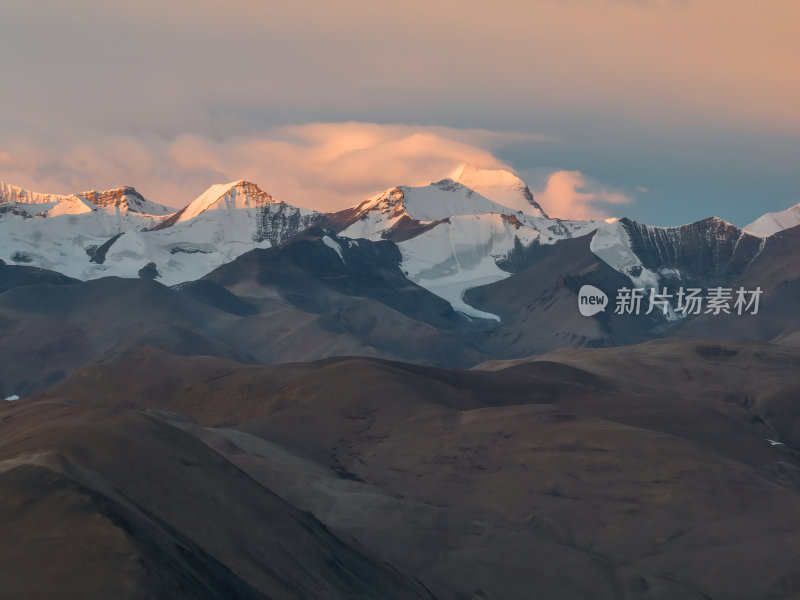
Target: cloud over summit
325, 166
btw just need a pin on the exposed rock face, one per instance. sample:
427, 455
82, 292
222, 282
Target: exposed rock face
710, 250
149, 271
279, 221
98, 253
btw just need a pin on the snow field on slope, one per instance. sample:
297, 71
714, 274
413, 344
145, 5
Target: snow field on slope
498, 185
447, 199
206, 200
461, 254
771, 223
611, 244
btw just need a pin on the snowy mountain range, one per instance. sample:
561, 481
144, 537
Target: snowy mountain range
456, 234
97, 234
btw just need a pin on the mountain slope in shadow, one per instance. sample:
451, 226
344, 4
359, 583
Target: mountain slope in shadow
101, 502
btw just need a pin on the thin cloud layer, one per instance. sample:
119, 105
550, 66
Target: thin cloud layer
325, 166
182, 63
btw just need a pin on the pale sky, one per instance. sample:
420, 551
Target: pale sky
663, 110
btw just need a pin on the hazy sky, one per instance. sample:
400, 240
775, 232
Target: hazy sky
663, 110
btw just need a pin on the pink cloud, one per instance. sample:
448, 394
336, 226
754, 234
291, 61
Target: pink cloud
324, 166
571, 195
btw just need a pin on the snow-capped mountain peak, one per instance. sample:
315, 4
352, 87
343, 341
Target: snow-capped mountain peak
451, 237
125, 199
448, 198
118, 232
390, 203
12, 193
403, 206
236, 194
71, 205
118, 201
771, 223
500, 186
